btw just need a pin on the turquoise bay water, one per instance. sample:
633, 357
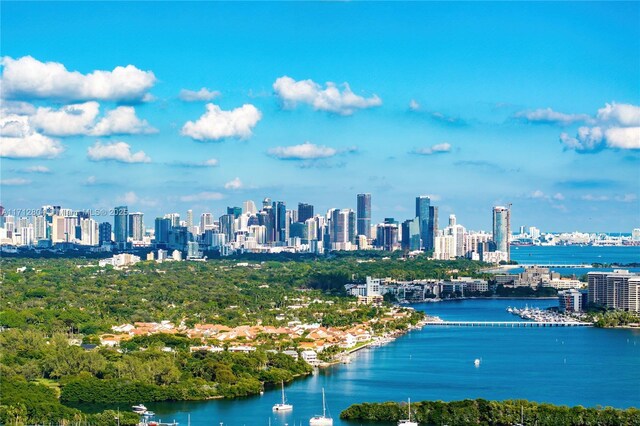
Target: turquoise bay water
573, 255
573, 366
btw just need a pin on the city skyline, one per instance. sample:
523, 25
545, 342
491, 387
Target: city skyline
211, 107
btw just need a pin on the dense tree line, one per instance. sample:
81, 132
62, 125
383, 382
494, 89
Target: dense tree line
492, 413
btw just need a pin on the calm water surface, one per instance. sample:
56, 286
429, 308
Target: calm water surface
571, 366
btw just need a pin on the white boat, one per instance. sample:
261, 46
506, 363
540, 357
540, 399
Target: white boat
139, 409
284, 406
322, 420
476, 362
408, 422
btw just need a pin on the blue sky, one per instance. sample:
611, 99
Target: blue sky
477, 104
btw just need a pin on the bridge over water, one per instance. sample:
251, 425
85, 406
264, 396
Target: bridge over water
507, 324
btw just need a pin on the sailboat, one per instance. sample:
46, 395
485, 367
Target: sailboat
408, 422
284, 406
322, 420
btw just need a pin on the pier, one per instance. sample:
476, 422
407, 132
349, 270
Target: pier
513, 324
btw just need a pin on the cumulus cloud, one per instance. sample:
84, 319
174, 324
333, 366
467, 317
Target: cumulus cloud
331, 98
19, 140
217, 124
233, 184
37, 169
16, 107
122, 121
80, 119
305, 151
28, 78
117, 151
203, 94
132, 198
620, 114
617, 126
14, 182
440, 148
549, 116
202, 196
69, 120
91, 180
414, 105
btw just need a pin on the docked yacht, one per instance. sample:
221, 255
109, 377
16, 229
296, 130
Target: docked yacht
408, 422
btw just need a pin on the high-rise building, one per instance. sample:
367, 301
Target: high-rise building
136, 226
235, 211
174, 217
423, 204
163, 226
364, 215
411, 234
615, 290
189, 218
280, 220
502, 229
227, 226
121, 226
249, 207
206, 221
104, 233
342, 228
305, 211
387, 236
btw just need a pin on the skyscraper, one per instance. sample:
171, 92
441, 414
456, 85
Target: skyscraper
104, 233
502, 229
121, 226
189, 217
364, 214
206, 221
235, 211
423, 204
280, 211
305, 211
411, 234
162, 228
136, 226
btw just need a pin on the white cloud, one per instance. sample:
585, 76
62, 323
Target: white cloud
217, 124
414, 105
538, 194
623, 137
202, 196
122, 121
233, 184
203, 94
76, 119
591, 197
117, 151
305, 151
587, 139
80, 119
16, 107
28, 78
211, 162
37, 169
19, 140
91, 180
440, 148
129, 198
14, 182
331, 98
618, 128
626, 198
620, 114
558, 196
549, 116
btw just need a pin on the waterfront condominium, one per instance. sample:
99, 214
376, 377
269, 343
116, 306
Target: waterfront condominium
615, 290
502, 229
364, 215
